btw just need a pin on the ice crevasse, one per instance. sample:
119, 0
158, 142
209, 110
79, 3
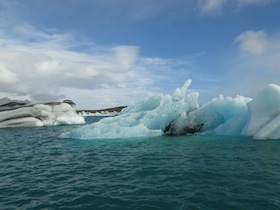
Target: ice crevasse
180, 114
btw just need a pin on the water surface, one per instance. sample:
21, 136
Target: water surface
38, 170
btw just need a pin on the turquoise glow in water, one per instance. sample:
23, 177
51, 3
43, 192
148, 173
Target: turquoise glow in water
38, 170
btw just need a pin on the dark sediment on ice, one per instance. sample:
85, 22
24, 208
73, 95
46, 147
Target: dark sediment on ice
114, 109
172, 130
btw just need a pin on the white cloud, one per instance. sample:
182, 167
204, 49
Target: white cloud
41, 75
7, 77
258, 66
46, 66
214, 7
210, 6
252, 42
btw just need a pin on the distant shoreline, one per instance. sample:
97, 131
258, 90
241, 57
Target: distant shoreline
114, 109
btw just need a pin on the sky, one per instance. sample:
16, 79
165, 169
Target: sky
110, 53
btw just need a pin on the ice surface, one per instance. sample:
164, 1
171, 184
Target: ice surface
22, 122
270, 131
264, 111
17, 114
220, 116
179, 114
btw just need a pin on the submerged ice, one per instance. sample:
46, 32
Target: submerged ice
180, 114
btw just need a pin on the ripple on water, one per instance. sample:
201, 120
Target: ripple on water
40, 171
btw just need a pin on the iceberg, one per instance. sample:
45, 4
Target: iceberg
180, 114
16, 113
144, 119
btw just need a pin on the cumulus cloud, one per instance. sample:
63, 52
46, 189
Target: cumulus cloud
44, 65
256, 64
252, 42
42, 74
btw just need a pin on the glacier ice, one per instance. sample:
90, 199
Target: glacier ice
220, 116
264, 114
180, 114
146, 118
15, 113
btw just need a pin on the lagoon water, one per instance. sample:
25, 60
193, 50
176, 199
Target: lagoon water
39, 170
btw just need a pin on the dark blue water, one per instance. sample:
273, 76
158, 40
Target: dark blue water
38, 170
